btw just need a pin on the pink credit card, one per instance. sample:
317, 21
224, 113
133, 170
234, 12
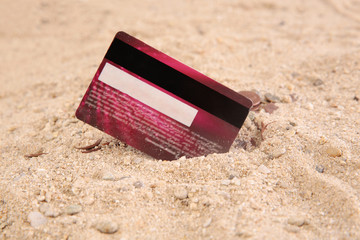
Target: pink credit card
160, 106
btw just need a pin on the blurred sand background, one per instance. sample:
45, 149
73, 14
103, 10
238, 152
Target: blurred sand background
301, 182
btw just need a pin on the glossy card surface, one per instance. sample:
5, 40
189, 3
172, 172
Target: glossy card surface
160, 106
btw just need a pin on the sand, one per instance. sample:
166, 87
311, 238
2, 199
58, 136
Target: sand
301, 181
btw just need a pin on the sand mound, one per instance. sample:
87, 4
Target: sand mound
300, 180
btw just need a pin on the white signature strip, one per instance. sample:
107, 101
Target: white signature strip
147, 94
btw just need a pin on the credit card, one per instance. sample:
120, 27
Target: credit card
160, 106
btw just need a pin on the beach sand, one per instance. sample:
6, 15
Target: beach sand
300, 181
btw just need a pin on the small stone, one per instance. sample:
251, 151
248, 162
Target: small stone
89, 200
127, 161
149, 195
251, 116
333, 152
124, 177
262, 168
138, 184
318, 82
270, 108
36, 219
89, 135
233, 174
48, 196
51, 213
193, 206
240, 144
294, 97
289, 86
3, 225
271, 98
207, 223
293, 124
283, 184
37, 192
12, 128
243, 235
236, 181
231, 177
48, 210
295, 75
185, 202
225, 182
320, 168
292, 229
279, 152
181, 193
49, 136
107, 226
108, 176
137, 160
296, 221
309, 106
286, 99
73, 209
41, 198
323, 140
225, 195
206, 201
255, 206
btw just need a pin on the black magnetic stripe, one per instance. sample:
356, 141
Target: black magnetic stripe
176, 82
